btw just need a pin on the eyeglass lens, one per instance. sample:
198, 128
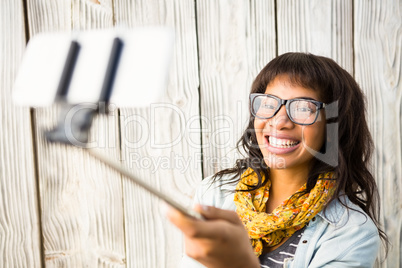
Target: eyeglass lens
300, 111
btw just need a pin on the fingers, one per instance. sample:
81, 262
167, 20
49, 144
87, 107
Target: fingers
191, 227
213, 213
184, 223
217, 222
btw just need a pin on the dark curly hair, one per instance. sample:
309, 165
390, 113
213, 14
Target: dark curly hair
354, 142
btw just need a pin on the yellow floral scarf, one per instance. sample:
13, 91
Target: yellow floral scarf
292, 215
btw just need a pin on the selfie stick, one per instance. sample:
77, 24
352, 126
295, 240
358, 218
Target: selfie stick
81, 122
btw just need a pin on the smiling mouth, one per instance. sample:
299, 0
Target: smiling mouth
281, 143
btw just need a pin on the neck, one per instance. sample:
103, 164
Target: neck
284, 183
288, 180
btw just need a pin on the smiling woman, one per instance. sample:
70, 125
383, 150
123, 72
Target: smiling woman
297, 208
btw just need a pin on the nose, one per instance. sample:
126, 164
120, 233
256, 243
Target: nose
281, 120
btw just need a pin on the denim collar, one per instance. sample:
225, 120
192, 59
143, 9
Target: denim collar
334, 211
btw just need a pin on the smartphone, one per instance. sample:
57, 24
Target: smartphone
140, 78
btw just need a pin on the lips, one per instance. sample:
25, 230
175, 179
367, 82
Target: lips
281, 145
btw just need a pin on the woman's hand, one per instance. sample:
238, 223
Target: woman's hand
219, 241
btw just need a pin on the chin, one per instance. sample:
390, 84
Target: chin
275, 161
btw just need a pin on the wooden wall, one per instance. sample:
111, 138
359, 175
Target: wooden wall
20, 235
61, 208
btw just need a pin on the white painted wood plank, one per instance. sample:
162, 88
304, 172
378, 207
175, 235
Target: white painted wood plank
82, 202
322, 27
20, 244
161, 144
92, 14
236, 40
378, 55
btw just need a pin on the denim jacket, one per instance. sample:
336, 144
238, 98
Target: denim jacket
338, 237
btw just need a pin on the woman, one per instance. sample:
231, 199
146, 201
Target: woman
304, 193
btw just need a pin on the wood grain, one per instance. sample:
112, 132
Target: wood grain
82, 202
322, 27
92, 14
20, 244
236, 40
161, 144
378, 39
89, 217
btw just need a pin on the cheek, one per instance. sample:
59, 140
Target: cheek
258, 128
314, 137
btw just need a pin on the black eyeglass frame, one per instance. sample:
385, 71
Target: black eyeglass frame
253, 96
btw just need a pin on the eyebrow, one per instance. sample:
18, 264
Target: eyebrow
305, 98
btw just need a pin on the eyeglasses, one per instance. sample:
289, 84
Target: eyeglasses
300, 111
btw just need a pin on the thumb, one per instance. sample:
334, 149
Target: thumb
213, 213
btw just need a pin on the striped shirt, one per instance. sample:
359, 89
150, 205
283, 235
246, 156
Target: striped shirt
276, 258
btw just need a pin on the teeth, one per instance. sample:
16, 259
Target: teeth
282, 143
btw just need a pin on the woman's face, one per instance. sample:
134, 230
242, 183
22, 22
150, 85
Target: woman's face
283, 143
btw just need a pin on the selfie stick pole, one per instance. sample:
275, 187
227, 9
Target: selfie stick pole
125, 172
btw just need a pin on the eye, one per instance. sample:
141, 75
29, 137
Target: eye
304, 109
267, 106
